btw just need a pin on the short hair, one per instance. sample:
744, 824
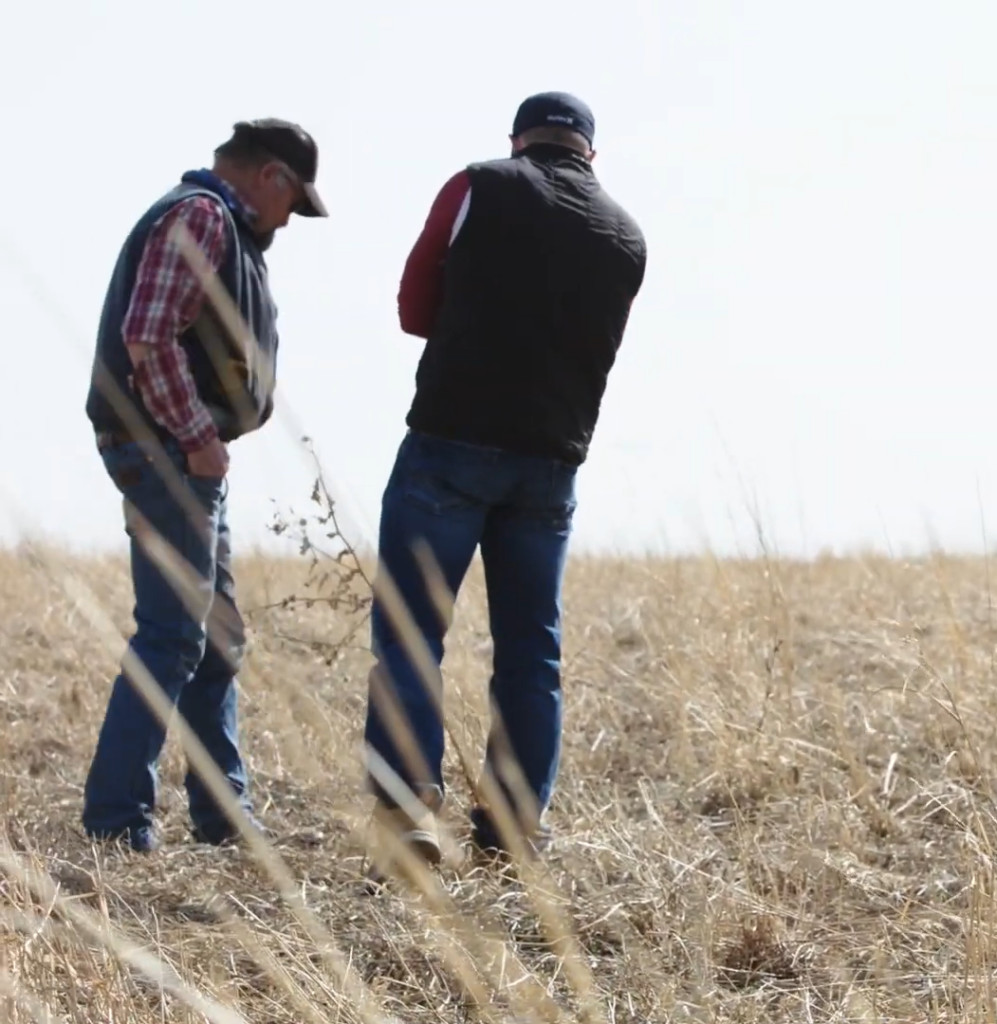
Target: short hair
559, 135
245, 149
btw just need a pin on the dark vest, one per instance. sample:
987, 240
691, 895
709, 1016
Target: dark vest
538, 287
236, 388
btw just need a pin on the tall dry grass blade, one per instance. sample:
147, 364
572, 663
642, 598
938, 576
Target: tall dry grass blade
217, 329
187, 584
558, 930
201, 762
151, 445
275, 972
385, 589
29, 1004
123, 405
235, 325
184, 582
228, 315
101, 930
535, 1003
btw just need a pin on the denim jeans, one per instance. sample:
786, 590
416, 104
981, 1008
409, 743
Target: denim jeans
455, 497
198, 677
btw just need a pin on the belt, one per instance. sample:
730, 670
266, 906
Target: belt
110, 438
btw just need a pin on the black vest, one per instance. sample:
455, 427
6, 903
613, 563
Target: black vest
237, 390
538, 287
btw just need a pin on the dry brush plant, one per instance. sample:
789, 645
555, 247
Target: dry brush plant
335, 578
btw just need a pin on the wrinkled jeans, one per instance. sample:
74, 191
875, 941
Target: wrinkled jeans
455, 497
198, 676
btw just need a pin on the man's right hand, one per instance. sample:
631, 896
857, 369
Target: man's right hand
210, 461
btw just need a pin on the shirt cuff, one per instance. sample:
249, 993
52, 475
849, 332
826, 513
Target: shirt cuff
169, 395
197, 434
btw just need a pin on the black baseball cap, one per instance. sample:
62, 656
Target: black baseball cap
547, 109
290, 143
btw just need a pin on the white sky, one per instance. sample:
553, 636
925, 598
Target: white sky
816, 183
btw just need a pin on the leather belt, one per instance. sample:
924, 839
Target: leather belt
110, 438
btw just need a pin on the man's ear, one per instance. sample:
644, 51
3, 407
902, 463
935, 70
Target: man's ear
592, 155
517, 143
269, 171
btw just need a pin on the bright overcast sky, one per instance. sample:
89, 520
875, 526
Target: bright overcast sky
816, 182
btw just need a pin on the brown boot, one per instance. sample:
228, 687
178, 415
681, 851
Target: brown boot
418, 831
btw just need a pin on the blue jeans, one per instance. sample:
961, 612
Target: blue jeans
198, 677
454, 497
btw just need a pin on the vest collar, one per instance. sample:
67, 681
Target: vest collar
544, 152
227, 192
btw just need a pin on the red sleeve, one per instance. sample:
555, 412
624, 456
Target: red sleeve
421, 289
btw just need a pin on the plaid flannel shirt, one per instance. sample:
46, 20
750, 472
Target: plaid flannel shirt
164, 302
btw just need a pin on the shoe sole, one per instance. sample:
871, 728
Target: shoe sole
423, 844
151, 845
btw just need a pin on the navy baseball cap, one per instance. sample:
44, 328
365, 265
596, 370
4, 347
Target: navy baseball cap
547, 109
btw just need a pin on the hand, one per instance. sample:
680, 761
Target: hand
210, 461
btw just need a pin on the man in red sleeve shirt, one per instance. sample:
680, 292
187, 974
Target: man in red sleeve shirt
162, 350
521, 283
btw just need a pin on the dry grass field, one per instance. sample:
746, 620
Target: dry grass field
776, 804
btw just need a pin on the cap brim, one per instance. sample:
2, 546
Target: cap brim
313, 205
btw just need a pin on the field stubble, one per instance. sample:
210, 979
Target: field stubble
775, 804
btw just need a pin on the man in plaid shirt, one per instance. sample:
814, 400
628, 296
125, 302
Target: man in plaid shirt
168, 376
